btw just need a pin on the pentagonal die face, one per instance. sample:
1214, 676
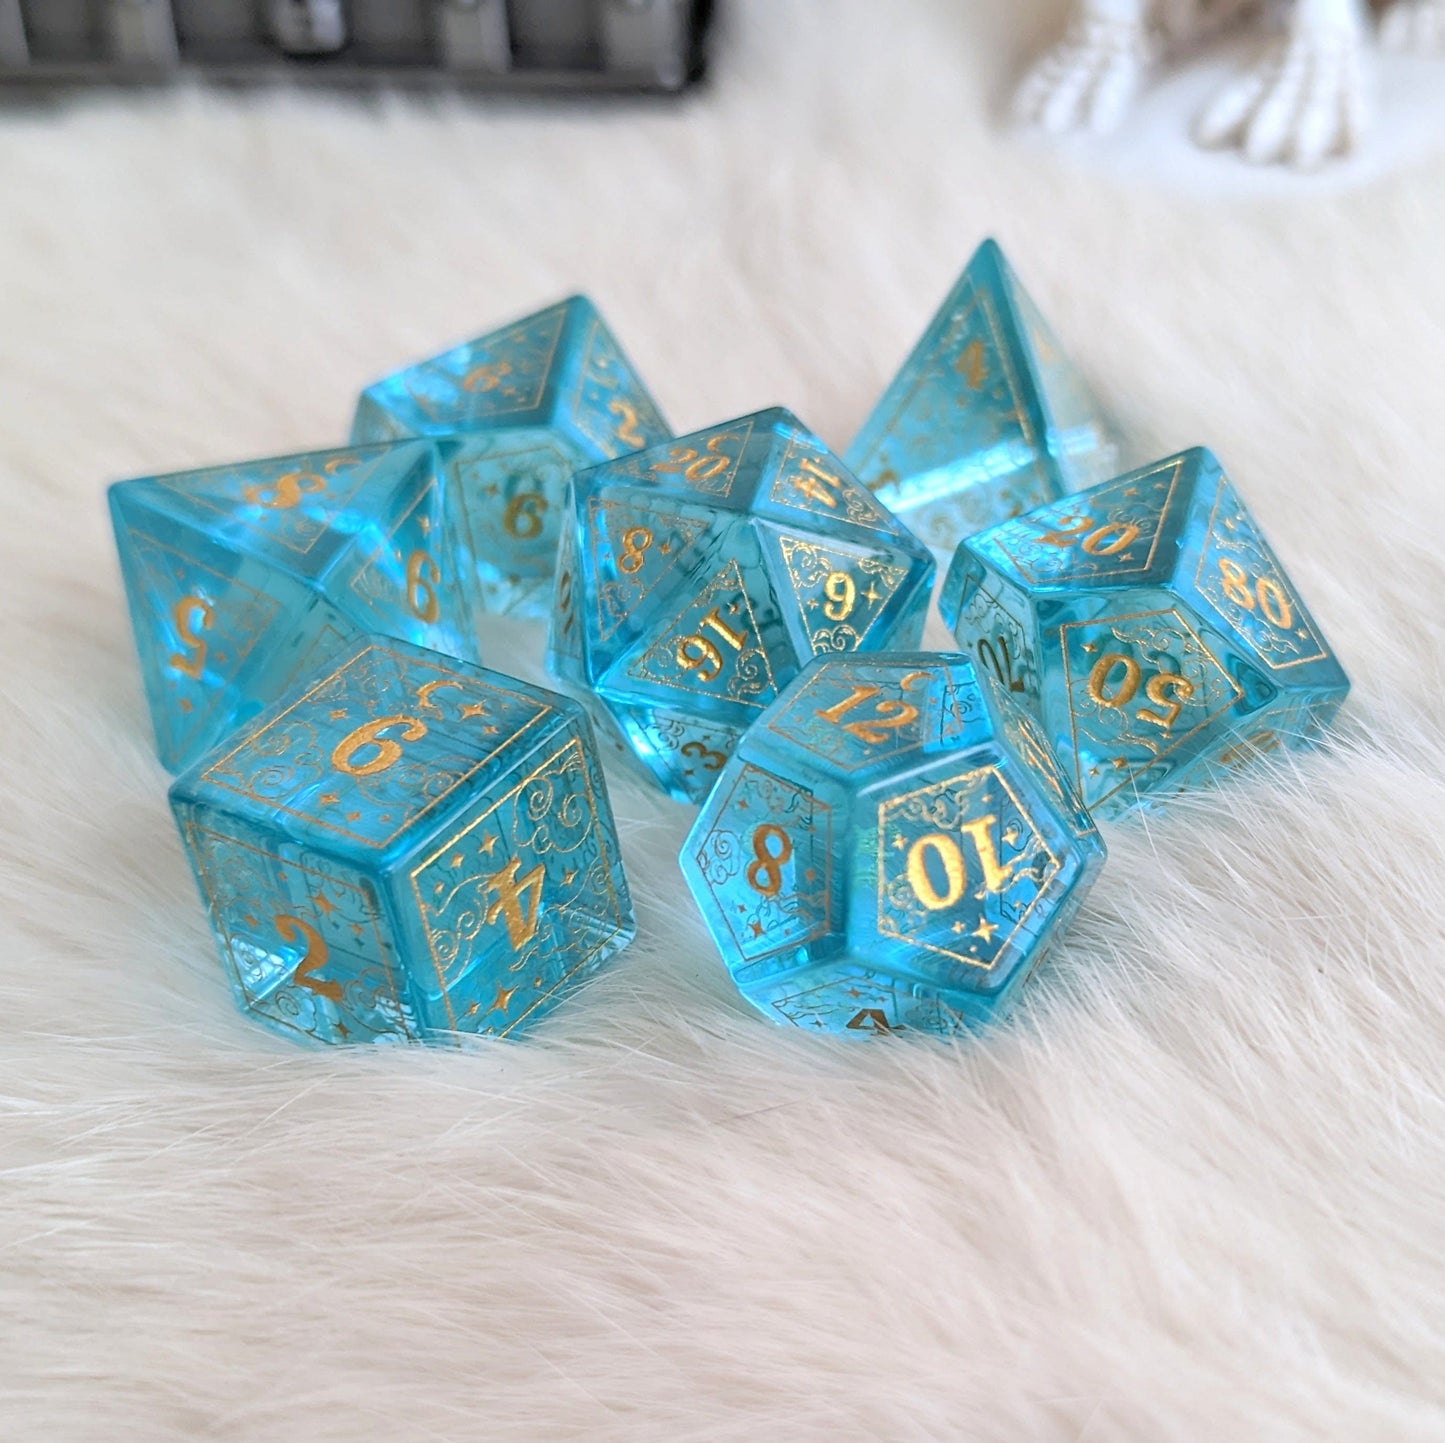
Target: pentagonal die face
525, 406
986, 419
892, 847
697, 578
408, 847
243, 579
1150, 628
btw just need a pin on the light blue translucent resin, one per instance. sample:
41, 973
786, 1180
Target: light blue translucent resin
695, 579
1149, 627
527, 405
893, 846
986, 419
405, 848
243, 578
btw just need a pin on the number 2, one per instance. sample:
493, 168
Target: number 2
184, 614
317, 954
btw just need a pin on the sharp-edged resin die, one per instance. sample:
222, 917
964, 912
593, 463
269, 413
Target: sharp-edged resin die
406, 847
986, 419
528, 405
1150, 628
242, 578
695, 579
892, 846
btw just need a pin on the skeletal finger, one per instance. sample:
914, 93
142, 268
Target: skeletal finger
1320, 117
1113, 92
1226, 115
1355, 104
1065, 104
1268, 135
1039, 83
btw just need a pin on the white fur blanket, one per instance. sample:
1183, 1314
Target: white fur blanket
1196, 1190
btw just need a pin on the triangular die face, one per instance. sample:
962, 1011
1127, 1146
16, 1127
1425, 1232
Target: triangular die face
685, 752
1082, 439
809, 481
964, 403
501, 376
196, 628
635, 544
712, 647
1240, 578
610, 406
404, 581
714, 465
842, 592
286, 505
1121, 533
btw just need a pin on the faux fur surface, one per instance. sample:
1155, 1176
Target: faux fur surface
1195, 1190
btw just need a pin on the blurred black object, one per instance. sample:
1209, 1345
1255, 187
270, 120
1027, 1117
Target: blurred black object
549, 44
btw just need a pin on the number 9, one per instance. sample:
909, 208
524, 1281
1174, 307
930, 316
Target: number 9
841, 593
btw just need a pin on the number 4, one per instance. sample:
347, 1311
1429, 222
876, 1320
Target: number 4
512, 901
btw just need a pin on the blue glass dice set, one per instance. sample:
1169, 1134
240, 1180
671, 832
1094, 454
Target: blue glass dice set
394, 844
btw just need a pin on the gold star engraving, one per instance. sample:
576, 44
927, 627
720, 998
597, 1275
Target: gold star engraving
456, 860
327, 799
353, 816
756, 927
1131, 491
985, 930
339, 714
899, 843
425, 523
871, 594
488, 842
473, 708
503, 999
325, 905
570, 877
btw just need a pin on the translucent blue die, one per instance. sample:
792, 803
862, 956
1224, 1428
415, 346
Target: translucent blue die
243, 578
986, 418
404, 848
1150, 628
528, 405
892, 846
695, 579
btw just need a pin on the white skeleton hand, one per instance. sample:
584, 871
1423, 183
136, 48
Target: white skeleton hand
1090, 78
1304, 102
1414, 26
